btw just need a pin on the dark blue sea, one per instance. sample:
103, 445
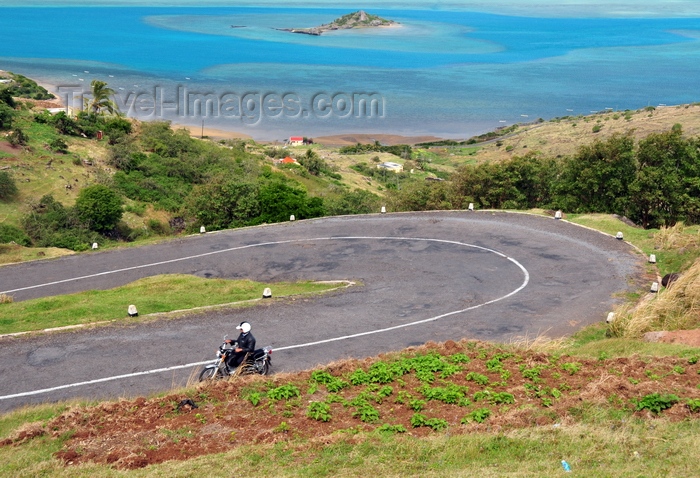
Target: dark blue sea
439, 72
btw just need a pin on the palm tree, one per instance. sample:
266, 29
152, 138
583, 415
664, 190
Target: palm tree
101, 101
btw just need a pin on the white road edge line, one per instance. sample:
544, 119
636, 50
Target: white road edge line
288, 347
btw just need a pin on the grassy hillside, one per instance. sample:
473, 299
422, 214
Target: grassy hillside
563, 136
166, 178
605, 401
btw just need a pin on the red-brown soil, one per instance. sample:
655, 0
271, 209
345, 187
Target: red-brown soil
6, 147
687, 337
135, 433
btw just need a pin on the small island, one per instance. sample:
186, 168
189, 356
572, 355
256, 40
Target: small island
359, 19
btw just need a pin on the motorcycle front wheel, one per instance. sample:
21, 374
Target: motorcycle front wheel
209, 374
265, 368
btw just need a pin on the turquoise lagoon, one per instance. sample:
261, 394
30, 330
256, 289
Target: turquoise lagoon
449, 70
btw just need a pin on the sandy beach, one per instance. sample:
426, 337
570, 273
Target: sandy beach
385, 139
336, 140
211, 133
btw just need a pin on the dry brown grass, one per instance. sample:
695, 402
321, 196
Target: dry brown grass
676, 237
540, 343
565, 136
675, 308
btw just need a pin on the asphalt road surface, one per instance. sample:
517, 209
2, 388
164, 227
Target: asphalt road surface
423, 277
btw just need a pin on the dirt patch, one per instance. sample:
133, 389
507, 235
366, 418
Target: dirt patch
463, 386
685, 337
7, 148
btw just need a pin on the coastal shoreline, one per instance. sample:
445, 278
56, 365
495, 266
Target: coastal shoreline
336, 139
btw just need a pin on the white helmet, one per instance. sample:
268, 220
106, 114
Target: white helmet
243, 327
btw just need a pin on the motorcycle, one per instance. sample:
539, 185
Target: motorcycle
259, 362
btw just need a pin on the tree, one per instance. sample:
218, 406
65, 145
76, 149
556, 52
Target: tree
6, 97
101, 99
7, 115
665, 189
598, 177
64, 124
313, 163
358, 201
99, 207
8, 188
419, 196
278, 201
223, 203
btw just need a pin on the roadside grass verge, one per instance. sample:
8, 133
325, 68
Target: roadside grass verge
157, 294
675, 308
13, 253
592, 449
676, 248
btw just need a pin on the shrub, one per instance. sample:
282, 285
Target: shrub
58, 146
419, 420
460, 358
17, 137
386, 428
8, 188
367, 413
99, 207
693, 404
49, 224
479, 416
359, 377
571, 367
284, 392
158, 227
14, 234
254, 398
7, 116
450, 394
531, 373
478, 378
333, 384
495, 398
656, 402
319, 411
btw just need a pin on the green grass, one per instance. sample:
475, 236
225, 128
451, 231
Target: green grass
624, 347
600, 445
11, 253
150, 295
667, 260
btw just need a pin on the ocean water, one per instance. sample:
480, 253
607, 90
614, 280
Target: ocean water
449, 70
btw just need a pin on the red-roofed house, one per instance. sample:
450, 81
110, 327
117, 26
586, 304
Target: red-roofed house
289, 160
296, 140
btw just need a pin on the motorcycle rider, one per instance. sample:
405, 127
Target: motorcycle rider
245, 345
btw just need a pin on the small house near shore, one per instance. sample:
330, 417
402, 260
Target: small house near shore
295, 140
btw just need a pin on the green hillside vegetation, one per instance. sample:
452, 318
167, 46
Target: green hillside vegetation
21, 86
165, 182
604, 400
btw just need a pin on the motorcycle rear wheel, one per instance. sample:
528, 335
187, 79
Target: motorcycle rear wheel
209, 374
